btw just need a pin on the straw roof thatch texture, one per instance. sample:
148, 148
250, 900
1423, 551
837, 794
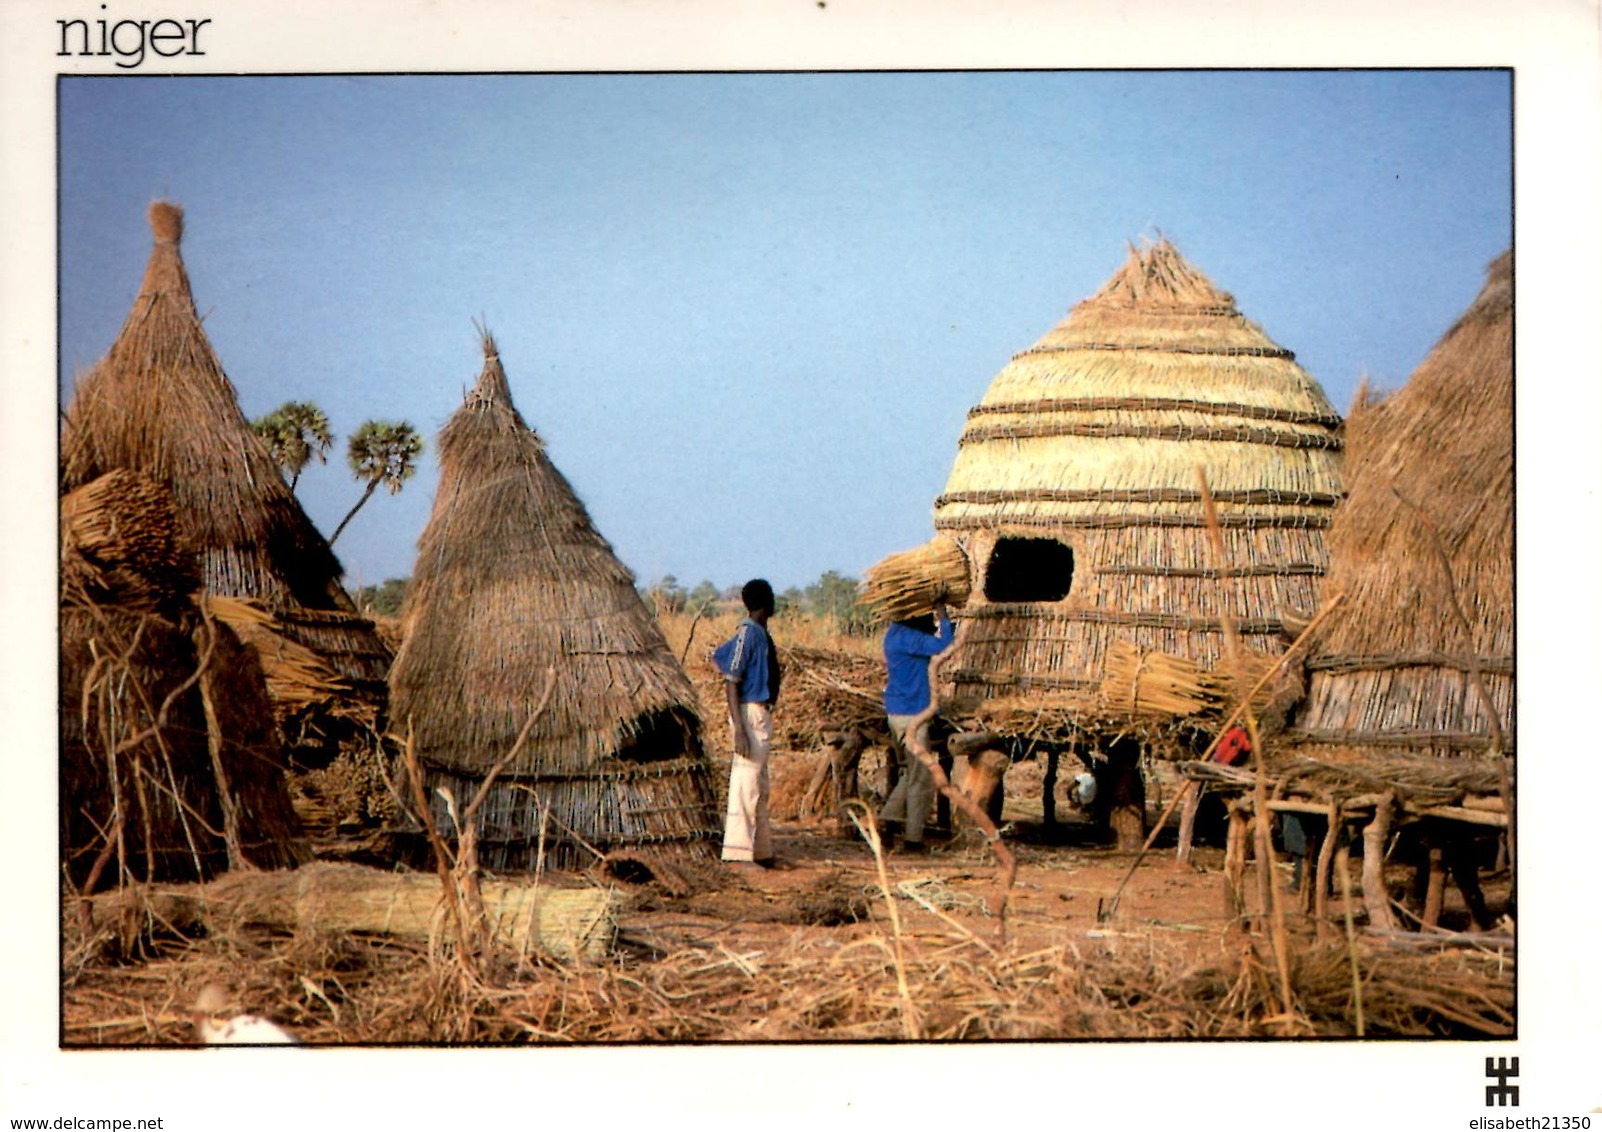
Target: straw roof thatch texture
160, 404
513, 582
1094, 436
1423, 548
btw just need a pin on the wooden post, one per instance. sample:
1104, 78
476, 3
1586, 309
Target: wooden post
1048, 788
1465, 872
1343, 869
1118, 781
1327, 853
1435, 889
845, 758
1187, 821
1376, 897
1235, 863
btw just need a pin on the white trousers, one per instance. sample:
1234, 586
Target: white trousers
746, 833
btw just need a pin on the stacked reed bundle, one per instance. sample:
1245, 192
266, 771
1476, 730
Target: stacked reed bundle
1155, 683
119, 542
911, 583
1420, 662
513, 581
160, 404
1092, 439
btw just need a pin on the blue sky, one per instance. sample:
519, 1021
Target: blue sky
749, 312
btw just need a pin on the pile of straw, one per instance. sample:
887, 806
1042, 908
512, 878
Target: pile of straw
170, 761
296, 676
843, 984
829, 690
911, 583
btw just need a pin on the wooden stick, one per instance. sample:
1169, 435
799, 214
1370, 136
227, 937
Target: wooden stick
1234, 864
1187, 822
1342, 855
1375, 896
1326, 860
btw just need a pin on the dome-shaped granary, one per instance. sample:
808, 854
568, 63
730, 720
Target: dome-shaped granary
1077, 498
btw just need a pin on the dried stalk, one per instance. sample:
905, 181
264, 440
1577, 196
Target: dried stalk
870, 833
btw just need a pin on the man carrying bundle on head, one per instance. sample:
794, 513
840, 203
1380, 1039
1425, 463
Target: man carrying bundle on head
909, 645
750, 666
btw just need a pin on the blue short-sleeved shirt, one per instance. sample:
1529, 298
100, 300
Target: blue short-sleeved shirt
749, 660
906, 661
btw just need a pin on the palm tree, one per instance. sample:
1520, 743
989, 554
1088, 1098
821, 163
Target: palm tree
380, 452
296, 433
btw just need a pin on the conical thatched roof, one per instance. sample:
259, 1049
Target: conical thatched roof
1430, 484
513, 581
1093, 438
160, 404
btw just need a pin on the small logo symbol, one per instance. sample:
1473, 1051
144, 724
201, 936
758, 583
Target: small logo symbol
1500, 1069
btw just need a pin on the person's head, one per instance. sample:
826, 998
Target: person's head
757, 596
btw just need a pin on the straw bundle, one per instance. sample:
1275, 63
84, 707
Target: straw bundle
512, 581
1155, 683
1092, 439
912, 582
1421, 660
119, 541
160, 404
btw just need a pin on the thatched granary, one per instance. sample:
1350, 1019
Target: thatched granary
171, 764
1076, 498
160, 404
1414, 676
513, 582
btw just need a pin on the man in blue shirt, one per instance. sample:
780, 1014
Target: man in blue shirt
908, 647
750, 666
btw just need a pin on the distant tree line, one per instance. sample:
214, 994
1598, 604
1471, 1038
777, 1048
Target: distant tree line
833, 596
